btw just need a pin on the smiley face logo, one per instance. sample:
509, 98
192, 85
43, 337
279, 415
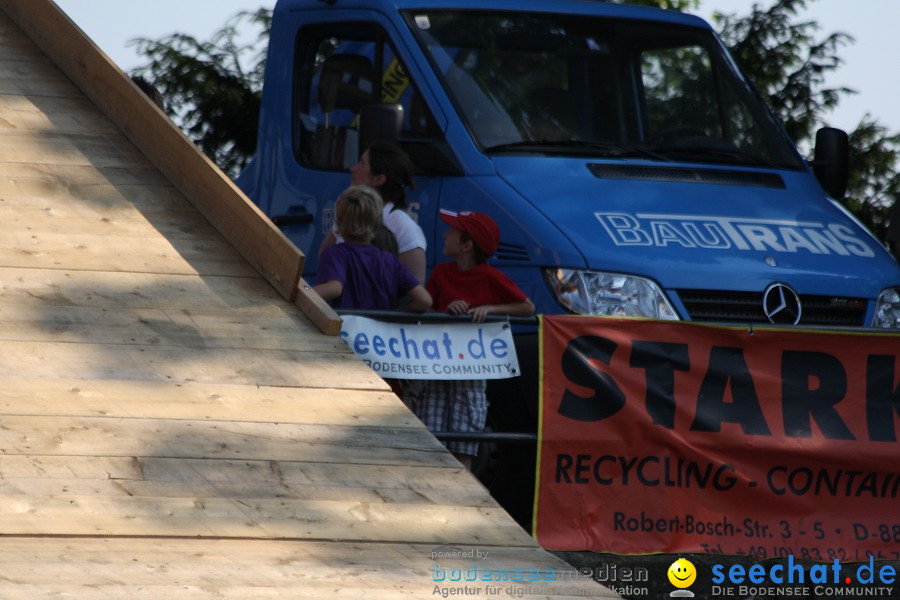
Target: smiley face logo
682, 573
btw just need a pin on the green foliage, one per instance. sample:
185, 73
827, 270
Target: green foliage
213, 89
788, 64
874, 179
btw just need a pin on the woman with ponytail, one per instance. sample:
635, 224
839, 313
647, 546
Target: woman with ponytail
386, 168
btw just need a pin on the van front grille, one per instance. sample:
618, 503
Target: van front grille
747, 307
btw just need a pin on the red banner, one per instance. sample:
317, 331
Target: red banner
678, 437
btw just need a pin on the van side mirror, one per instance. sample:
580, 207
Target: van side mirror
832, 160
379, 121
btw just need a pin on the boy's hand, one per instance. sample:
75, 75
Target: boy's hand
480, 312
458, 307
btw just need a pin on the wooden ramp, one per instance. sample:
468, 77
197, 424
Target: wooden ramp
172, 422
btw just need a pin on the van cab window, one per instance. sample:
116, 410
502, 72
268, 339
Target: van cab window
678, 99
341, 69
683, 97
564, 84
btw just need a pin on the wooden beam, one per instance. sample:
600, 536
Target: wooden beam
319, 312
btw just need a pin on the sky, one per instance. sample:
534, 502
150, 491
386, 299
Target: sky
869, 64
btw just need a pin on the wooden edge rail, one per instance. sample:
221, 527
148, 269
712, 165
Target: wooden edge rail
217, 198
319, 312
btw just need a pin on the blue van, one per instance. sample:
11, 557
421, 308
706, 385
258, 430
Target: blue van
632, 168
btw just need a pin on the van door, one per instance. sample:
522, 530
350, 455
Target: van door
339, 68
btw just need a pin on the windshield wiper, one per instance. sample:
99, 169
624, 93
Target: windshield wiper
613, 149
736, 155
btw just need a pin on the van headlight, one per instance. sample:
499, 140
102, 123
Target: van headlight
887, 309
609, 294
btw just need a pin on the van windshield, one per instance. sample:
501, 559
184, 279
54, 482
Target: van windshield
582, 85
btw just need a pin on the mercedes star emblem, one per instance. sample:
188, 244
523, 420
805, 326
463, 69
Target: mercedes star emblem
781, 304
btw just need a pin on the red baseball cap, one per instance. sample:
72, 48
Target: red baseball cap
480, 227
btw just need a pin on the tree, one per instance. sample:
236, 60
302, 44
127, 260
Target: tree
786, 62
788, 65
213, 89
874, 180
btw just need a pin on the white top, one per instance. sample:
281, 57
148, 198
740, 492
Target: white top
407, 232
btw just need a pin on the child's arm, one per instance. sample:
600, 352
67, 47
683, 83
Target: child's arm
420, 300
515, 309
414, 260
329, 290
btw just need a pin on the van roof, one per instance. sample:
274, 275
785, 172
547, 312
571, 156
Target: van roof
585, 7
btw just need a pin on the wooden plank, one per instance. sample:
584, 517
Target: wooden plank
83, 202
98, 289
50, 113
50, 148
150, 254
160, 438
155, 327
42, 360
203, 402
252, 569
84, 192
68, 176
50, 195
244, 479
65, 218
12, 40
279, 518
242, 492
242, 224
52, 85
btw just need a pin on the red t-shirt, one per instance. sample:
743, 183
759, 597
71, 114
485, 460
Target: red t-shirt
480, 285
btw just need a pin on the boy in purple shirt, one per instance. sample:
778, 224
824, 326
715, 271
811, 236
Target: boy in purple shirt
356, 274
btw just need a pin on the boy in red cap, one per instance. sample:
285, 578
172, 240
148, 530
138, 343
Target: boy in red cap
466, 285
